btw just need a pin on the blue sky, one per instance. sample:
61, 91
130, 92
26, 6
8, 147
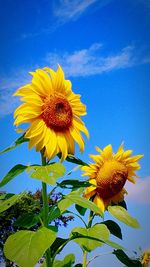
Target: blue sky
103, 47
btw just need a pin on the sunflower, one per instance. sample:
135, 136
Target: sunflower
109, 174
53, 112
146, 258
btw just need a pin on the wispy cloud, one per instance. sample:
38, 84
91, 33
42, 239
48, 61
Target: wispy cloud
139, 192
65, 10
80, 63
8, 86
91, 61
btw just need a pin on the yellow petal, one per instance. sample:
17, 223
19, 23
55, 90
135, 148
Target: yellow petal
98, 149
126, 154
88, 195
77, 137
70, 142
107, 152
35, 128
45, 81
120, 149
59, 80
51, 145
80, 127
62, 145
37, 139
99, 203
134, 159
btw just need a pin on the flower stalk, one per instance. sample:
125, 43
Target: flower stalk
46, 210
84, 263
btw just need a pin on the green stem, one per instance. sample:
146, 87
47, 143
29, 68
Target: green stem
84, 251
84, 258
45, 210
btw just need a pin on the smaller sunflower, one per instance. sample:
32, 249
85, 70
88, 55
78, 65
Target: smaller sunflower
146, 258
109, 174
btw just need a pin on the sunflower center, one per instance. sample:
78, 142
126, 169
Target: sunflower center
57, 113
111, 178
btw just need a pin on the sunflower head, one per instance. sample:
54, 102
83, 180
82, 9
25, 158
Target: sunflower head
53, 112
108, 175
146, 258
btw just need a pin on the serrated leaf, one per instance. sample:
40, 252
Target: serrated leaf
47, 174
18, 142
120, 254
27, 247
27, 220
98, 231
6, 204
122, 215
17, 169
114, 228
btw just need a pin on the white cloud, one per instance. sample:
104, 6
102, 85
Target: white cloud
66, 10
90, 61
80, 63
139, 192
8, 86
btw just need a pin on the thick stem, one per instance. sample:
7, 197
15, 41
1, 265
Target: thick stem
84, 251
84, 258
45, 211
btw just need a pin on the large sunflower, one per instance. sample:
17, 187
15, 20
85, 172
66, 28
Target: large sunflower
109, 174
53, 111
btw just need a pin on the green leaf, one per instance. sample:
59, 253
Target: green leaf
98, 231
68, 261
120, 254
58, 243
64, 204
122, 215
18, 142
6, 204
73, 159
80, 209
17, 169
83, 202
47, 174
27, 220
114, 228
27, 247
71, 184
53, 214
